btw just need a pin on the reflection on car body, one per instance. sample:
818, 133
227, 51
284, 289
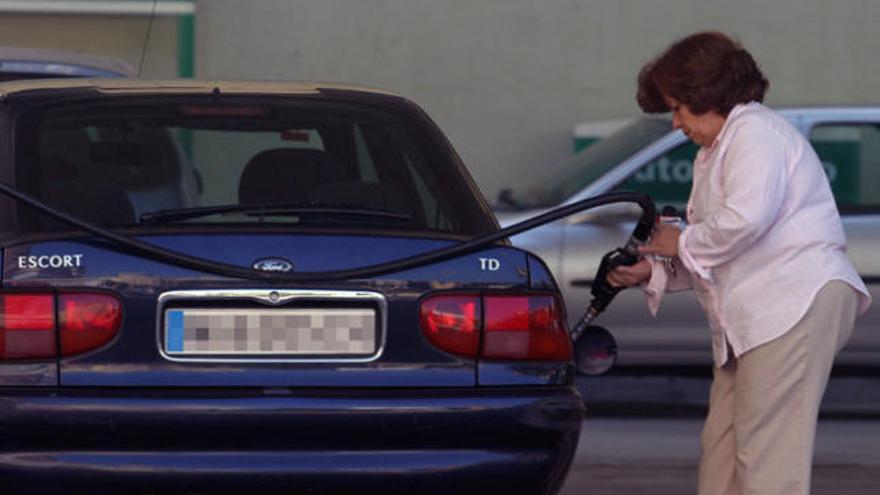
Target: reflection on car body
649, 156
132, 373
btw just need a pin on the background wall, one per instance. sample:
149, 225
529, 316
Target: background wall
508, 79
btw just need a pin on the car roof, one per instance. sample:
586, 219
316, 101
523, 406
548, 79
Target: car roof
828, 110
816, 109
177, 86
60, 63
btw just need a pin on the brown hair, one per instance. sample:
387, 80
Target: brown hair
704, 71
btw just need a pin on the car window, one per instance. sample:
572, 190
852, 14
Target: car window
560, 182
111, 163
668, 178
850, 154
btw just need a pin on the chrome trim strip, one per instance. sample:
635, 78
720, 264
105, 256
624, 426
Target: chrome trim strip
273, 297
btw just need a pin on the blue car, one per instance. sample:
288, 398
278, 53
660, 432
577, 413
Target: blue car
203, 292
35, 63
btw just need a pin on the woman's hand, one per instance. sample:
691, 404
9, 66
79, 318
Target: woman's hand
664, 241
627, 276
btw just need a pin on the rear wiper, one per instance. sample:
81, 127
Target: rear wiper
130, 245
270, 209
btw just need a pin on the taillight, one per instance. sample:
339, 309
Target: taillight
31, 324
452, 323
497, 326
27, 326
87, 321
524, 327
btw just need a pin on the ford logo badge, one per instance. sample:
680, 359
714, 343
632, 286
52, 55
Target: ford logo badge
277, 265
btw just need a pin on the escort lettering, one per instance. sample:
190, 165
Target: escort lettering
50, 261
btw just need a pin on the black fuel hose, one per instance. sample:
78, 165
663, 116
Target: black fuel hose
641, 232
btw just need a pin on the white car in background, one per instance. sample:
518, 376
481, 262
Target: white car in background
647, 155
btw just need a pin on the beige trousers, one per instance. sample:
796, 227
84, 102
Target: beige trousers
763, 406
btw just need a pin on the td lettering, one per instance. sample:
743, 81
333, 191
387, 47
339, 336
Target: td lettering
490, 264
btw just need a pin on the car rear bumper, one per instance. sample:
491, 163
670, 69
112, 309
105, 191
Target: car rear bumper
501, 440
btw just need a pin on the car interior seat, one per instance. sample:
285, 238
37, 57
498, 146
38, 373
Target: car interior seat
95, 201
54, 168
283, 175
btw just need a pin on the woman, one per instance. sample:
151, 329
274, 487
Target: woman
764, 251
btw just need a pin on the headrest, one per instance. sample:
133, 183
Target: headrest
281, 175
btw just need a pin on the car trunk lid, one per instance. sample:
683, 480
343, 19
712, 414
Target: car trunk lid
185, 328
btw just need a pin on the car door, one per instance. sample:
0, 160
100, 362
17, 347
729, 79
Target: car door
848, 144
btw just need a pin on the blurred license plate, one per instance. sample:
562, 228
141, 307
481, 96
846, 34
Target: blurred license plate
271, 332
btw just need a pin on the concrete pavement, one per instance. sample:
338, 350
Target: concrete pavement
660, 456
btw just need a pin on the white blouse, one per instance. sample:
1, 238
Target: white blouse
763, 233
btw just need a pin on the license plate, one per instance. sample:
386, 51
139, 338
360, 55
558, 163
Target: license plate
270, 332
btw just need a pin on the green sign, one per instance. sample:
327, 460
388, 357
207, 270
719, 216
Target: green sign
668, 179
841, 160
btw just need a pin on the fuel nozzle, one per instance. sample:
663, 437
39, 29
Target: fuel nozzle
602, 291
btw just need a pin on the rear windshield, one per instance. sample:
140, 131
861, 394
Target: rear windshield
295, 162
